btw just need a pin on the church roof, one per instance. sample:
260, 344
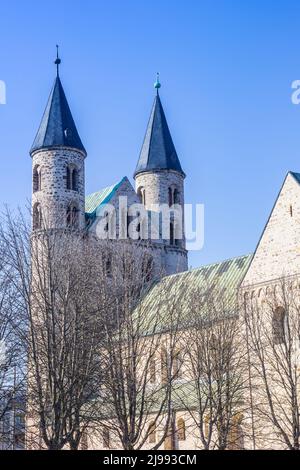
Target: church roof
218, 280
296, 176
57, 128
103, 196
158, 151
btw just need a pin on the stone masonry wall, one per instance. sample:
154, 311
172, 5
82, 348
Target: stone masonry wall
156, 185
278, 252
54, 196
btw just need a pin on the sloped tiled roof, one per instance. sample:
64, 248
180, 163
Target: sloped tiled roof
221, 279
158, 151
103, 196
57, 128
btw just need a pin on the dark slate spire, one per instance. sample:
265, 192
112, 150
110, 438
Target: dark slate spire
57, 128
158, 151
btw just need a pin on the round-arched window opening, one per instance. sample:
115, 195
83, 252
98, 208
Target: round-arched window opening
37, 178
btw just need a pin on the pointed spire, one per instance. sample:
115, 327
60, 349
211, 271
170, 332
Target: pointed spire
158, 151
57, 128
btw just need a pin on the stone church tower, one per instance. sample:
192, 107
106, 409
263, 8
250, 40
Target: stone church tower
58, 193
159, 179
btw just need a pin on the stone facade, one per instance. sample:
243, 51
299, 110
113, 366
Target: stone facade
154, 188
278, 251
52, 194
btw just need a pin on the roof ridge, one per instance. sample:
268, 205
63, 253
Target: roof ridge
107, 187
106, 193
211, 264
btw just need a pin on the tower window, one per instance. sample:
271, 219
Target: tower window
72, 216
108, 267
106, 217
37, 217
142, 195
291, 210
170, 196
176, 196
68, 178
72, 178
37, 178
172, 233
75, 179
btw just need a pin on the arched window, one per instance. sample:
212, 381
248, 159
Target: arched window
152, 433
37, 217
106, 438
37, 178
181, 430
278, 325
108, 267
152, 370
68, 178
176, 240
72, 177
75, 179
72, 216
138, 227
170, 196
164, 366
142, 195
106, 216
176, 196
171, 233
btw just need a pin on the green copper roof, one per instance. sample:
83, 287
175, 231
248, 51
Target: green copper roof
94, 200
221, 279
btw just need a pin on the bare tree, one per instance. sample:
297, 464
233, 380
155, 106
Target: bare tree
12, 361
140, 328
52, 276
216, 369
273, 326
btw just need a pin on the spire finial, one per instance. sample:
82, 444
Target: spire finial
57, 61
157, 84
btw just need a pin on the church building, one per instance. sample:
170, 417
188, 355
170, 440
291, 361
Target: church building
59, 200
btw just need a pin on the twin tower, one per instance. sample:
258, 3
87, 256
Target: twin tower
58, 166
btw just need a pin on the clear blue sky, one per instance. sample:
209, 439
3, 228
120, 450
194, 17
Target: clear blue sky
226, 71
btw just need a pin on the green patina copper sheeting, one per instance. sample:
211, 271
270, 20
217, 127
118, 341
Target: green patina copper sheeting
94, 200
173, 292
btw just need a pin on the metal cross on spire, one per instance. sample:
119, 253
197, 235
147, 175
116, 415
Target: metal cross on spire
57, 61
157, 84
